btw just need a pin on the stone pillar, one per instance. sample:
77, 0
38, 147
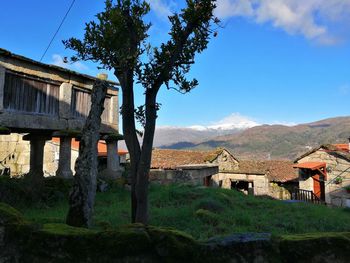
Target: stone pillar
115, 111
37, 144
250, 188
65, 100
113, 166
64, 162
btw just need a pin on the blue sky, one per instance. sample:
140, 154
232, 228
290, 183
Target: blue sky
275, 61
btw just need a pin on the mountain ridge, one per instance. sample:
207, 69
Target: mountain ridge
265, 141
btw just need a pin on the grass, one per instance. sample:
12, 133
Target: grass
205, 212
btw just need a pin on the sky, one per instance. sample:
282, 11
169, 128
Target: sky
272, 62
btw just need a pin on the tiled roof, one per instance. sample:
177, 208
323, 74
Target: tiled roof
276, 170
170, 159
342, 146
338, 149
310, 165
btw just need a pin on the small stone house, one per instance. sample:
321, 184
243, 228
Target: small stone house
325, 171
182, 166
274, 178
270, 178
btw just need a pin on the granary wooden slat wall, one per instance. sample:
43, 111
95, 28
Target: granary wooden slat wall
81, 103
24, 94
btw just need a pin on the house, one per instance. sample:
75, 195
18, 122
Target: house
324, 172
182, 166
275, 178
40, 101
272, 178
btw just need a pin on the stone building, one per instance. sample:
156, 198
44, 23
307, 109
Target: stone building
270, 178
181, 166
325, 172
39, 102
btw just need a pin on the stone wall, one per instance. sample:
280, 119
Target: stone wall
191, 176
22, 241
225, 161
16, 152
334, 192
277, 191
260, 182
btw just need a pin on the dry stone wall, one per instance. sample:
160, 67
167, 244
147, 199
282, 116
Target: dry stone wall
22, 241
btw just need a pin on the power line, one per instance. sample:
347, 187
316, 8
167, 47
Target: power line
58, 29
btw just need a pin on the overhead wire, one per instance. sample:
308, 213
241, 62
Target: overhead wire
58, 29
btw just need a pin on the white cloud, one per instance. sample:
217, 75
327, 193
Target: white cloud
344, 89
58, 60
228, 8
314, 19
162, 8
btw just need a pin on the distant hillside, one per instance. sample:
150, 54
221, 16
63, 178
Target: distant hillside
275, 141
187, 137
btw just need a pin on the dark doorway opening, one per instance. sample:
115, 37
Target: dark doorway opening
241, 186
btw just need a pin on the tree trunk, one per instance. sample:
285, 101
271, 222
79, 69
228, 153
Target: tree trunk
82, 196
145, 159
130, 135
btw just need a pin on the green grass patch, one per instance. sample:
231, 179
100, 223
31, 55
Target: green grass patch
203, 212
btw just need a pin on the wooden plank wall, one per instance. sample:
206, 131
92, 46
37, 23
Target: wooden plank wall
29, 95
81, 104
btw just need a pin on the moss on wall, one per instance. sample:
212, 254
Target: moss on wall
21, 241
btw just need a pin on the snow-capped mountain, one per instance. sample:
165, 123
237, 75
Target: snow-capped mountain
169, 135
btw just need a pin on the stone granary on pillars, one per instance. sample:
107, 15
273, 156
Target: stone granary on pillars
40, 101
273, 178
324, 174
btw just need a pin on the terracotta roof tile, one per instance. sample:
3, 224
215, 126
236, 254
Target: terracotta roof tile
102, 147
276, 170
170, 159
338, 149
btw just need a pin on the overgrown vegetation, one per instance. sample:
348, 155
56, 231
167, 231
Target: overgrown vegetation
198, 211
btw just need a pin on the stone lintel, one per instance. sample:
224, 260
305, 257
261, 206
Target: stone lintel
112, 137
67, 133
37, 136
